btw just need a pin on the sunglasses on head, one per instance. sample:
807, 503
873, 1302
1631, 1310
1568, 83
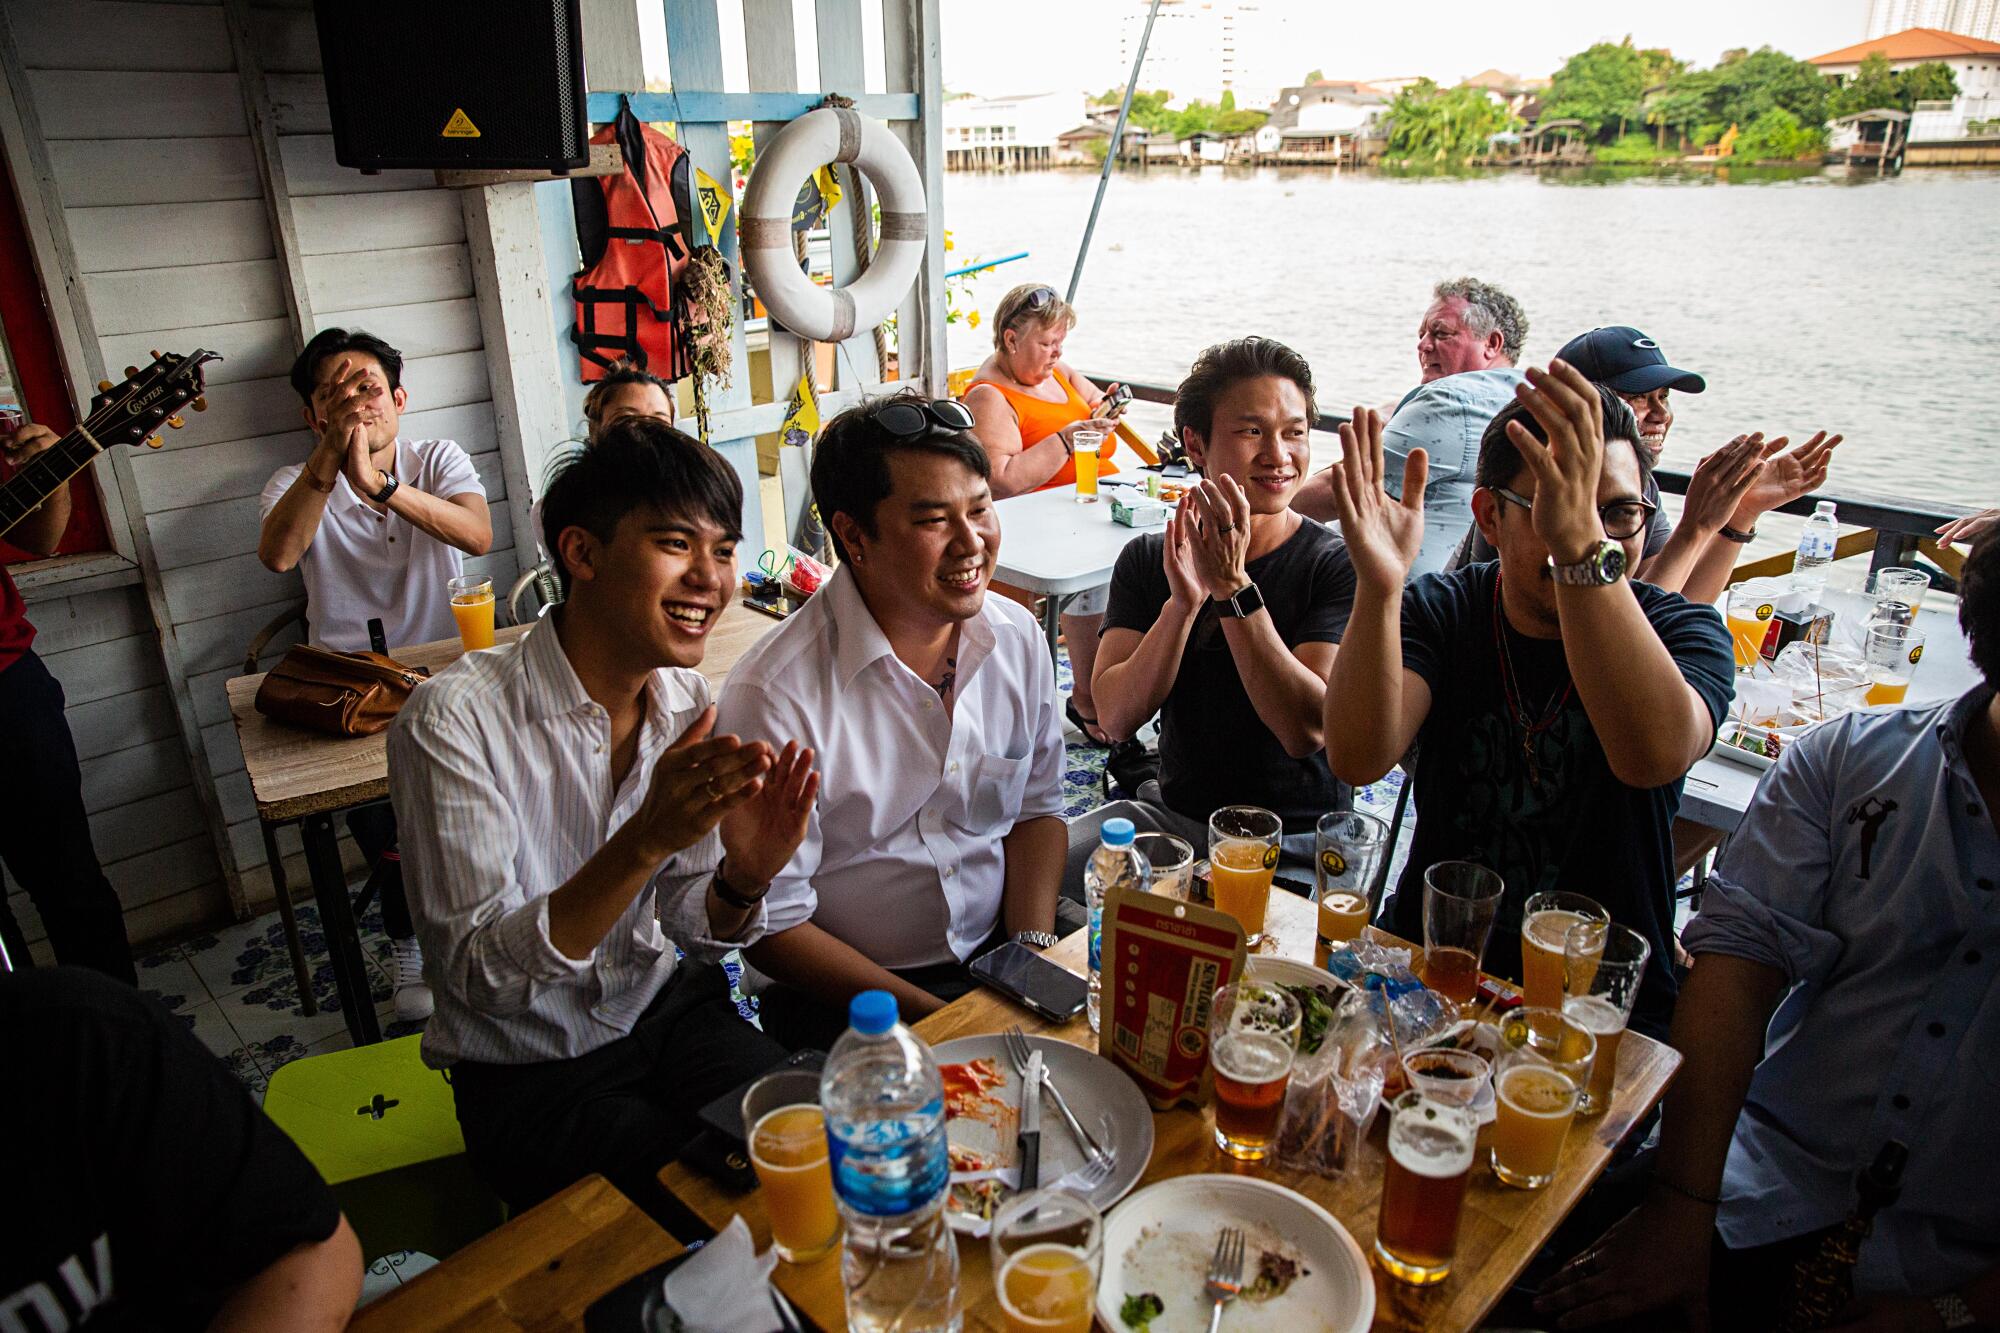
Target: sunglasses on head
913, 420
1040, 297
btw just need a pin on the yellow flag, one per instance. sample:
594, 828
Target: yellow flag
713, 201
802, 416
828, 181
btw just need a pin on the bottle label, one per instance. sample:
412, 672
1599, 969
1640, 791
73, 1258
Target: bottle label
885, 1168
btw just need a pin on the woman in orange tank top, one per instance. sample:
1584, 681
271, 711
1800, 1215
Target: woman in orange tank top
1027, 405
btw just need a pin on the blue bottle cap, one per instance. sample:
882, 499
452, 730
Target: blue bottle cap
1117, 832
872, 1012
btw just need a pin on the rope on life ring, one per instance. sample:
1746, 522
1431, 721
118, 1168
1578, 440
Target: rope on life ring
764, 229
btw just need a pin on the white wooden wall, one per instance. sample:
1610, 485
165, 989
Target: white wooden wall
154, 139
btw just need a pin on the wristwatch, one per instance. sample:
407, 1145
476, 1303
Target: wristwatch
1737, 535
730, 894
1952, 1309
1035, 939
1602, 566
381, 497
1246, 601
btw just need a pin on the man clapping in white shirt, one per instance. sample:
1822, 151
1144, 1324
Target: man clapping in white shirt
939, 830
568, 819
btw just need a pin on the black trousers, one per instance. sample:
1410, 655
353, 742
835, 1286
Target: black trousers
802, 1022
374, 830
624, 1110
45, 834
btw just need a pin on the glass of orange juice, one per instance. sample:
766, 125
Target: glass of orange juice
787, 1137
472, 608
1893, 652
1048, 1251
1086, 444
1749, 615
1242, 858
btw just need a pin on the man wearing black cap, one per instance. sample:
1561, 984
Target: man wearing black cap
1730, 488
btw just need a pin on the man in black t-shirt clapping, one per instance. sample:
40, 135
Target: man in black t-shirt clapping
1557, 705
1226, 624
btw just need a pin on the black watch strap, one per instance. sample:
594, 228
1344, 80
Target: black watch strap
1248, 601
728, 892
381, 497
1738, 536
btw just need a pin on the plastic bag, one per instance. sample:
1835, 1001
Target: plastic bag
1333, 1094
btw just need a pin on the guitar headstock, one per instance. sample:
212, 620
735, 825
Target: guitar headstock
133, 411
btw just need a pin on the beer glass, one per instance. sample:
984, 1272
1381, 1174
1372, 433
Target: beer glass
1749, 616
472, 608
1896, 593
1545, 924
1172, 860
1349, 847
1543, 1067
1604, 964
787, 1140
1460, 901
1893, 652
1253, 1037
1430, 1152
1242, 857
1087, 443
1447, 1075
1048, 1251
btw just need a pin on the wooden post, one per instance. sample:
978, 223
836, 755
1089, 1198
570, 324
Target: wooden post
843, 70
771, 46
914, 64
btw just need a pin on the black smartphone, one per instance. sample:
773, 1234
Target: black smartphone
724, 1115
1113, 402
1028, 979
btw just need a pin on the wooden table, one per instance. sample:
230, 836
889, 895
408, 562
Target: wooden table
1501, 1230
541, 1270
306, 778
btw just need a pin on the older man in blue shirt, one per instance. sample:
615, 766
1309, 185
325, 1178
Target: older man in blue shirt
1857, 914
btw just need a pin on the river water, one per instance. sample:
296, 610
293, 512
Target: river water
1807, 300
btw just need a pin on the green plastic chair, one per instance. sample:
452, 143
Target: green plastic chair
382, 1128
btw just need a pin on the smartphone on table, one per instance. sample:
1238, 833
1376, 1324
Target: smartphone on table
1032, 981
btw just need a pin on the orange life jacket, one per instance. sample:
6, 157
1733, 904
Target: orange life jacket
634, 231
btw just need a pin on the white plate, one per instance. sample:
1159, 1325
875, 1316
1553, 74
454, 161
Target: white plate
1736, 754
1093, 1087
1291, 972
1160, 1240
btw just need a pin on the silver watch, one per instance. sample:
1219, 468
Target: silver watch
1036, 939
1601, 566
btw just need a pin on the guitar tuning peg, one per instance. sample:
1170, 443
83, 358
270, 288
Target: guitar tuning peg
154, 441
104, 386
176, 422
130, 371
200, 404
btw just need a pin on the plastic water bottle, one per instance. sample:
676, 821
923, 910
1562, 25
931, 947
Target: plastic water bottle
1115, 864
884, 1105
1816, 545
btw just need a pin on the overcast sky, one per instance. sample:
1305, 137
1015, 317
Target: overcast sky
1003, 46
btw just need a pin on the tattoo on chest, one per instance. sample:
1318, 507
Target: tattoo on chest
950, 677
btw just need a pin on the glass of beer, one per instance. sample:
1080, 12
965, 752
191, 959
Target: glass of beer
1460, 902
1896, 593
1893, 652
1348, 848
787, 1139
1048, 1251
1242, 857
1543, 1067
1253, 1037
1430, 1149
1172, 860
1087, 443
472, 608
1749, 615
1604, 964
1545, 924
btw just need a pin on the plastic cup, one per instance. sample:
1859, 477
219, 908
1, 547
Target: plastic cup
1447, 1075
1087, 443
472, 608
1172, 860
1893, 652
1896, 594
1750, 607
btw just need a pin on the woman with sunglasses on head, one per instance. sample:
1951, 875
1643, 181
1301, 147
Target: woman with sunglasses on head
1027, 406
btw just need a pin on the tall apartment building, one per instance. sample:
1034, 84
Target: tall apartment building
1970, 18
1201, 49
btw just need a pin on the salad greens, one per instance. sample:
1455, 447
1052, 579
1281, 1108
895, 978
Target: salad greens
1139, 1312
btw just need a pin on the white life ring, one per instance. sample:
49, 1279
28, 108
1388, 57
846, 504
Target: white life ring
764, 231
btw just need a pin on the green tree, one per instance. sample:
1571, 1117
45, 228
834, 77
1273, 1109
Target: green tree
1873, 85
1149, 109
1779, 136
1315, 76
1930, 81
1746, 85
1444, 126
1601, 87
1228, 100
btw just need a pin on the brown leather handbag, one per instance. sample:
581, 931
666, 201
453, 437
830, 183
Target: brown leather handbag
341, 694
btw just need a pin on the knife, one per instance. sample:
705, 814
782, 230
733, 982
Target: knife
1031, 1123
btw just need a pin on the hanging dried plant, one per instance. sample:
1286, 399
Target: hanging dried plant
706, 282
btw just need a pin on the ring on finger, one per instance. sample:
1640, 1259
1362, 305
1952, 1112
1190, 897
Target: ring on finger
713, 790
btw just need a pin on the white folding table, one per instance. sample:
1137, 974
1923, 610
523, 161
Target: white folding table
1055, 548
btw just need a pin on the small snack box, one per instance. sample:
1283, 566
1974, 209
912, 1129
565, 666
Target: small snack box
1138, 511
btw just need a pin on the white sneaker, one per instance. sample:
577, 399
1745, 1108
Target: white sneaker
413, 997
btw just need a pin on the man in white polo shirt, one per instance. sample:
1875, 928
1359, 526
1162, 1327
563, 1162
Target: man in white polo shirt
938, 832
378, 526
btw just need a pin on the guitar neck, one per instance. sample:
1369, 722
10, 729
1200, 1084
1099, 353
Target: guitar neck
42, 476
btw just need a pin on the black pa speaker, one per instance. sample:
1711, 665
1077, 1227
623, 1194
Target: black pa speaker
455, 84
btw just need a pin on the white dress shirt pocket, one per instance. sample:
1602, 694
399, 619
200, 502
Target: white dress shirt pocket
993, 799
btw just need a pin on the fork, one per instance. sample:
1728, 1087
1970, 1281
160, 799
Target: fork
1225, 1273
1016, 1043
1085, 1179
